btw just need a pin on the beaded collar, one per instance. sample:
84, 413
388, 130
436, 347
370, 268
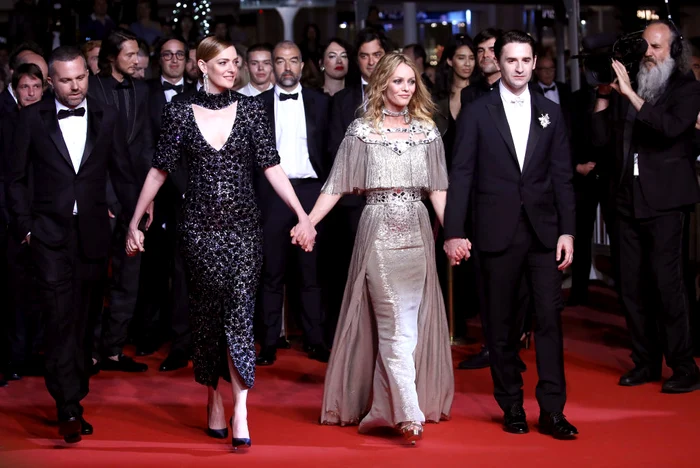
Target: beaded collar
215, 101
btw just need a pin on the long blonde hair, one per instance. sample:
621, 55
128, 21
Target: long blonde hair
420, 107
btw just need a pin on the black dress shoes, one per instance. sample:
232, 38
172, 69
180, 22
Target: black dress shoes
639, 376
124, 364
267, 357
70, 429
94, 368
682, 382
556, 425
177, 359
476, 361
319, 353
515, 420
85, 427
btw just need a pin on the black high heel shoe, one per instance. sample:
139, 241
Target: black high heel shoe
238, 442
216, 433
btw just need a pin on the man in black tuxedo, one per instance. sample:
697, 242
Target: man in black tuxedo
299, 119
116, 87
555, 91
654, 188
512, 150
341, 224
68, 145
488, 66
162, 309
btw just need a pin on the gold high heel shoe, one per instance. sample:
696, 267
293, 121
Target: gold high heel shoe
411, 431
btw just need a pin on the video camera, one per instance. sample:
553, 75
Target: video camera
603, 49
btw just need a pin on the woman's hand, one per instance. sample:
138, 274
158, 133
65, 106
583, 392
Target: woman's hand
134, 241
304, 234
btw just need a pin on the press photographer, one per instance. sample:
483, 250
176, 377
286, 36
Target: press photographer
654, 188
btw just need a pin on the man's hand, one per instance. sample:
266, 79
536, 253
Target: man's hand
584, 169
457, 250
565, 243
622, 84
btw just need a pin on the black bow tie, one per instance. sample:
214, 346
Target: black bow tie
285, 96
550, 88
65, 113
167, 86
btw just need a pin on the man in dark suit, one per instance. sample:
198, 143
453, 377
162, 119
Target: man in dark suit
68, 145
299, 119
341, 224
654, 187
512, 150
488, 66
116, 87
162, 308
555, 91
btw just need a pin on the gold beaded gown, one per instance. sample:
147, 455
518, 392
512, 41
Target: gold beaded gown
391, 360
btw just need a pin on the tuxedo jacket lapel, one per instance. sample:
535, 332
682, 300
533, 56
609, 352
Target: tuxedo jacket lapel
48, 115
535, 131
94, 124
498, 113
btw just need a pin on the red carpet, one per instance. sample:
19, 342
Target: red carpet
158, 419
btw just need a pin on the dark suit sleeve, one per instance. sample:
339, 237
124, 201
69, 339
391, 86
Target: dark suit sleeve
562, 175
336, 129
18, 196
120, 174
464, 157
676, 117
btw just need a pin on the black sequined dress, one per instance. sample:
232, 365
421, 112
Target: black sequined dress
219, 234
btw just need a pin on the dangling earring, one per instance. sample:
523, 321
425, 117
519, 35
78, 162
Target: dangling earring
205, 78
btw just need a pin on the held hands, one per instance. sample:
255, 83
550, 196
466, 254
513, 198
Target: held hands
585, 169
457, 250
304, 234
565, 243
134, 242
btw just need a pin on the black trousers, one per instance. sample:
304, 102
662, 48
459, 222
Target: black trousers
67, 283
23, 306
651, 273
499, 277
162, 312
113, 326
589, 194
278, 220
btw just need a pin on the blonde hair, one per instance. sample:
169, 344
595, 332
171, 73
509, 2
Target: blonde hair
420, 107
210, 47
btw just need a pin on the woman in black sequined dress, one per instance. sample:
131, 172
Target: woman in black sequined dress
223, 137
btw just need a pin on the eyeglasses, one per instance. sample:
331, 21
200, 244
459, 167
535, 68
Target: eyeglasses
167, 55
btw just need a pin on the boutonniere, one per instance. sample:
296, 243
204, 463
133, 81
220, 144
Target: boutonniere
544, 120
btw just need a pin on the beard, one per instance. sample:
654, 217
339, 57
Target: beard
652, 81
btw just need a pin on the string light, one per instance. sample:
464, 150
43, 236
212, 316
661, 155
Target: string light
198, 10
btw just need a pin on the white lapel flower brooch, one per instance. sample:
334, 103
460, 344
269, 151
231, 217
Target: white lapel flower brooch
544, 120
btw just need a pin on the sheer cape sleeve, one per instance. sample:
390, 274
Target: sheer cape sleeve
171, 139
349, 172
435, 162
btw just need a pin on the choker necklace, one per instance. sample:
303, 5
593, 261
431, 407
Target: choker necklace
402, 113
215, 101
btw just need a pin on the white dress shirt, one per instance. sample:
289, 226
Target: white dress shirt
170, 94
519, 113
551, 94
12, 93
250, 90
290, 129
74, 130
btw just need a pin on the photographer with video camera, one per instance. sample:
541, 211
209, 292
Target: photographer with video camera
654, 188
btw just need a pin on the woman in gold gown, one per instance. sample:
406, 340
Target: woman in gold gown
391, 363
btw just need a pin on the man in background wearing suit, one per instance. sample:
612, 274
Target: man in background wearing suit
654, 187
116, 87
299, 119
512, 156
162, 310
68, 145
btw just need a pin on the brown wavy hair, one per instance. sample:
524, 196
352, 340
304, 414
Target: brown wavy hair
420, 107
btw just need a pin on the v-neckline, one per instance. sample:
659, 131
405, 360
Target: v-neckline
199, 129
